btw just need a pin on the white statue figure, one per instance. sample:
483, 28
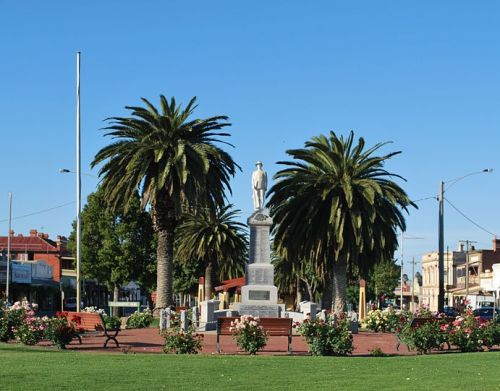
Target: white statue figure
259, 186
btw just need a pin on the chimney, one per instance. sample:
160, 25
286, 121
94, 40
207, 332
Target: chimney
460, 247
496, 244
11, 232
33, 232
61, 242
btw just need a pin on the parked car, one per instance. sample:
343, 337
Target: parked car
70, 304
486, 313
450, 311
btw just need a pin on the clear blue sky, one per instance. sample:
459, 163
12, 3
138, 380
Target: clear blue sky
424, 75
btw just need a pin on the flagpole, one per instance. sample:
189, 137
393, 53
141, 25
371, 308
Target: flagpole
78, 184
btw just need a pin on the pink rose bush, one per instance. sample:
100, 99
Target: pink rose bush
467, 332
27, 328
248, 333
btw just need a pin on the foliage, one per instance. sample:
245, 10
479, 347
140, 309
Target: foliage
249, 334
424, 338
179, 341
59, 332
423, 311
290, 272
117, 246
385, 277
467, 332
20, 322
215, 239
186, 276
327, 338
173, 160
94, 310
11, 319
139, 320
182, 342
385, 320
377, 352
337, 206
112, 322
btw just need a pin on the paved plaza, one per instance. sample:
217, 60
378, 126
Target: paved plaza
149, 341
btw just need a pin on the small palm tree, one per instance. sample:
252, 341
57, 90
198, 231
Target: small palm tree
335, 203
172, 160
215, 239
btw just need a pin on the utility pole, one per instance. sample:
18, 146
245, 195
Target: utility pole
7, 281
467, 247
441, 231
413, 262
441, 249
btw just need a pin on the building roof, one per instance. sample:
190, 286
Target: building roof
36, 242
229, 284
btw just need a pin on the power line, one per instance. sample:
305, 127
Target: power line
426, 198
39, 212
468, 218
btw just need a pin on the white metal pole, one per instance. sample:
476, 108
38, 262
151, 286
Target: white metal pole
78, 183
402, 264
7, 281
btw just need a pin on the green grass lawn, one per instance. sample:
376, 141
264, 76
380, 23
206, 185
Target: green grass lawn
23, 368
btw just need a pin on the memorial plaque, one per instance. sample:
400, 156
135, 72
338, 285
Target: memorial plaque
259, 295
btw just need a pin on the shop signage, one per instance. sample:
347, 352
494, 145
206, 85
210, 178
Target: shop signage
41, 270
21, 273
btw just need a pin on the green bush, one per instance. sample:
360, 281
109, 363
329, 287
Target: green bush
467, 332
248, 334
182, 342
139, 320
424, 338
59, 332
11, 320
327, 338
112, 322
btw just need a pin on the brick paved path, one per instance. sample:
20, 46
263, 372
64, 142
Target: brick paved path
148, 341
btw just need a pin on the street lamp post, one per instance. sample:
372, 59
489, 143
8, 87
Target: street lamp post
78, 184
441, 232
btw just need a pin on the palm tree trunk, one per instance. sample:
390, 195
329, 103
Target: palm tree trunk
209, 274
339, 286
326, 301
164, 278
164, 224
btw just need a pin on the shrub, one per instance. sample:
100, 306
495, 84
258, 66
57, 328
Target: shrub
248, 334
59, 332
378, 352
139, 320
424, 338
385, 320
467, 332
13, 318
327, 338
31, 331
179, 341
112, 322
182, 342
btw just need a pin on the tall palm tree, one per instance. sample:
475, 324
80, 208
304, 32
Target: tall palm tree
217, 240
173, 160
335, 203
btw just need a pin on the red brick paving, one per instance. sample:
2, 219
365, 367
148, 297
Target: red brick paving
149, 341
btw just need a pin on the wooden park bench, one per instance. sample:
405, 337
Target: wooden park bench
417, 322
274, 327
90, 322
